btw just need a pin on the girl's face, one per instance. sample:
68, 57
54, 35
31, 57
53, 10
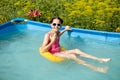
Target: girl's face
56, 24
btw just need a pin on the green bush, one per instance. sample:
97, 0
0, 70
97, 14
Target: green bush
88, 14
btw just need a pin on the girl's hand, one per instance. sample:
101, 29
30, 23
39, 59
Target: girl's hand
67, 28
53, 37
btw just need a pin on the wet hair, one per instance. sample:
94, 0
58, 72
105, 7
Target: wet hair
51, 20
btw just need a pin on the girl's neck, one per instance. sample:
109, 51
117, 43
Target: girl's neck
55, 31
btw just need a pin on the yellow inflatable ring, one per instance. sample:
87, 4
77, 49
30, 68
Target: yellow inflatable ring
52, 57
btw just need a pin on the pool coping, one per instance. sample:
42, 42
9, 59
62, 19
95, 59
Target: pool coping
47, 25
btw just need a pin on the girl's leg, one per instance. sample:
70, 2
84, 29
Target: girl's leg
77, 51
79, 61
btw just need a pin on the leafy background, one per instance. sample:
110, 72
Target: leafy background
88, 14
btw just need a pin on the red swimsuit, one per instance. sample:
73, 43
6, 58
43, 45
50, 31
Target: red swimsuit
55, 47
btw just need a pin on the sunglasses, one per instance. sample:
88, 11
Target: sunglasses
54, 24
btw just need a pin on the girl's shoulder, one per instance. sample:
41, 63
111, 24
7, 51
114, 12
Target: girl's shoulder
48, 34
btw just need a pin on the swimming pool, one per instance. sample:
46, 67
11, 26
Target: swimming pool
20, 58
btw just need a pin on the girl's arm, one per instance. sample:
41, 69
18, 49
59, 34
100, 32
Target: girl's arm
66, 29
46, 45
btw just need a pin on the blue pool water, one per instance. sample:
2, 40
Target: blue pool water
20, 58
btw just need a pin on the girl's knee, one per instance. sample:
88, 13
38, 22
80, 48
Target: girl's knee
76, 50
